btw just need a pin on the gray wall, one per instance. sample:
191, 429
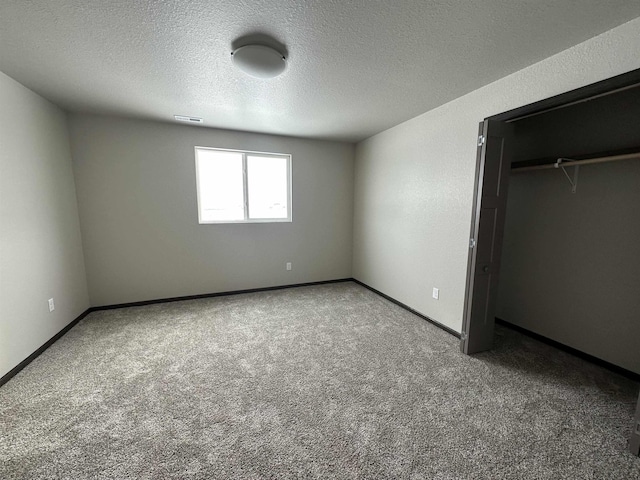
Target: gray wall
137, 202
414, 182
571, 263
40, 244
606, 124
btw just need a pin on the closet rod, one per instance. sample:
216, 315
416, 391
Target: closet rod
575, 163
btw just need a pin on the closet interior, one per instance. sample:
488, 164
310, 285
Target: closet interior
570, 268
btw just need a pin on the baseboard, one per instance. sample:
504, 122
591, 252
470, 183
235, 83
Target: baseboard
12, 373
218, 294
578, 353
406, 307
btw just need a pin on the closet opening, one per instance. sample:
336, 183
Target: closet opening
557, 256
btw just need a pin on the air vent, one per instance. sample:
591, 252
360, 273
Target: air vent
182, 118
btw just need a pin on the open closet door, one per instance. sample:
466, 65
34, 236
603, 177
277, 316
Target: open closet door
487, 229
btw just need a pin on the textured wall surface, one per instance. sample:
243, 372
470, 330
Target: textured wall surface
40, 245
599, 126
137, 203
414, 182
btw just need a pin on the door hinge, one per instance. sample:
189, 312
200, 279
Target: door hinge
481, 140
472, 243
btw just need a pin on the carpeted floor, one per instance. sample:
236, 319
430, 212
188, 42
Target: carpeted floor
329, 381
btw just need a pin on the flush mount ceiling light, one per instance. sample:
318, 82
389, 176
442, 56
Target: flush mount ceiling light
259, 61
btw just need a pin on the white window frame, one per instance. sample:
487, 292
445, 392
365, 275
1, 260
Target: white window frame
245, 188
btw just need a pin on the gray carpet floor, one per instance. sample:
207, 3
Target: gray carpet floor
328, 381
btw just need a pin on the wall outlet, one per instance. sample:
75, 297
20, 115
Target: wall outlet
288, 265
52, 307
436, 293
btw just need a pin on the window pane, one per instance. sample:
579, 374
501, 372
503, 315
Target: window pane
220, 186
268, 187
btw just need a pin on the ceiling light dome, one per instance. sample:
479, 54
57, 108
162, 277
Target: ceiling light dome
259, 61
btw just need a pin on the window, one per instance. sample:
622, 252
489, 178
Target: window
235, 186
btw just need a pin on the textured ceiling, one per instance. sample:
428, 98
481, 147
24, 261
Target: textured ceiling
356, 67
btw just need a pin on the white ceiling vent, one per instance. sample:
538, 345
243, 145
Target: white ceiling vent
183, 118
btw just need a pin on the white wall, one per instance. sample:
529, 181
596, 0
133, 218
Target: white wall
414, 182
40, 244
137, 203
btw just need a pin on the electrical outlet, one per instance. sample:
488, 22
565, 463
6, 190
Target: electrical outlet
288, 265
52, 307
436, 293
